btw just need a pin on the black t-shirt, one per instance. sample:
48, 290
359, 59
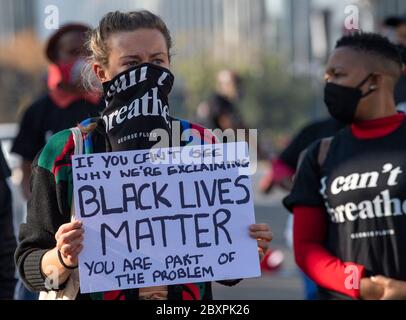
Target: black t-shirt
44, 118
4, 169
309, 134
362, 185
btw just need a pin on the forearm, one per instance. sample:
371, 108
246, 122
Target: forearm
316, 261
37, 235
330, 272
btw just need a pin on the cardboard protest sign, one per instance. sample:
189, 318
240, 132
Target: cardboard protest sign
165, 216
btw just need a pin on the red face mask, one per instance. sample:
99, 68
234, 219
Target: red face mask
70, 74
66, 72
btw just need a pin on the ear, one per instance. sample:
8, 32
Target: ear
376, 81
100, 72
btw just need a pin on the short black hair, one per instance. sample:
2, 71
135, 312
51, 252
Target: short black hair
373, 44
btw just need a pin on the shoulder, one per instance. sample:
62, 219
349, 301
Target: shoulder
58, 149
36, 110
309, 156
314, 148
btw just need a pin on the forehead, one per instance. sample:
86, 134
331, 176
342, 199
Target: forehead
71, 38
346, 58
141, 41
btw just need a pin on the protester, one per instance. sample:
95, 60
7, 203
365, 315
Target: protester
348, 195
220, 110
123, 44
64, 105
7, 238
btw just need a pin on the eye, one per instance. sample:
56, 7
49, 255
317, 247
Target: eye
337, 74
131, 63
157, 61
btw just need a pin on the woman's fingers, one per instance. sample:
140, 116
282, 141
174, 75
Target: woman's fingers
261, 254
263, 235
263, 245
259, 227
68, 227
72, 257
68, 249
67, 238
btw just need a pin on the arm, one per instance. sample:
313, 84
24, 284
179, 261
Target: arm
48, 225
326, 270
37, 235
47, 230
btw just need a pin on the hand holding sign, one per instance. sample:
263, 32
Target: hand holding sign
69, 238
149, 224
263, 234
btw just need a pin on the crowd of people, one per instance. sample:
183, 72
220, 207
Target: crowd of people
343, 174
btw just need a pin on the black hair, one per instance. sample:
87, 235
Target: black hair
373, 44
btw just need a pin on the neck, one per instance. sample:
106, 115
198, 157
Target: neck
382, 107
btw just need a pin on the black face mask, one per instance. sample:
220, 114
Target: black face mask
136, 104
342, 101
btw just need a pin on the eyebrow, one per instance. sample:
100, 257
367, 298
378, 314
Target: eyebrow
137, 56
334, 68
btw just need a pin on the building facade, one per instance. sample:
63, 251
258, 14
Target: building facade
15, 15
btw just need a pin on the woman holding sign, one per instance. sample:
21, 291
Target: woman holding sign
131, 58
